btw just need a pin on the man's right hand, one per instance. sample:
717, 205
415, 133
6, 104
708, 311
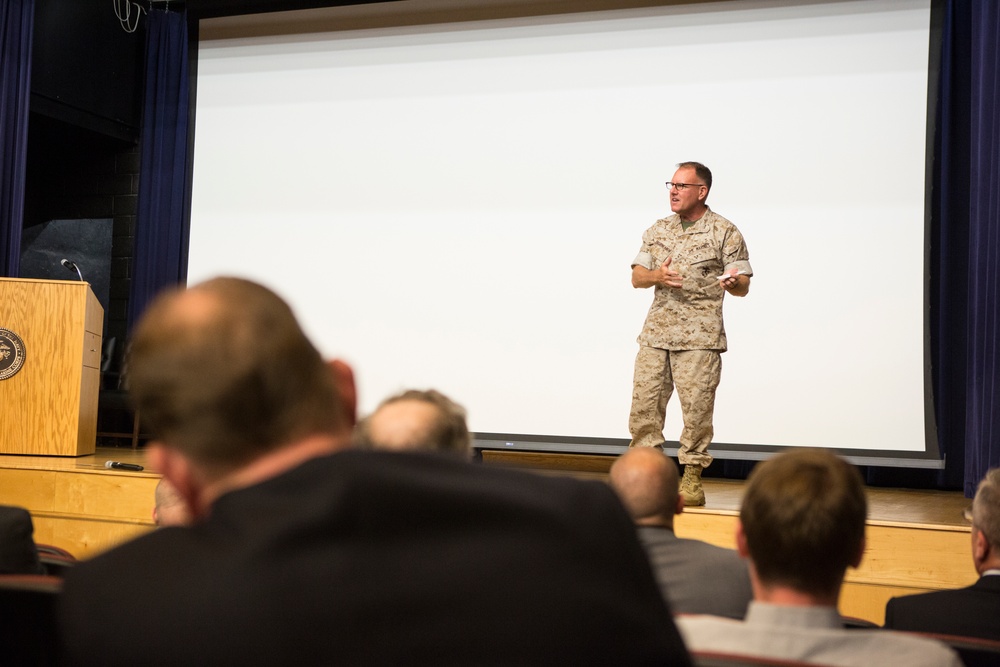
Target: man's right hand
664, 275
668, 277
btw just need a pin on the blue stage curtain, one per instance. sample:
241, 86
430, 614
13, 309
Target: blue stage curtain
983, 403
163, 213
16, 22
949, 303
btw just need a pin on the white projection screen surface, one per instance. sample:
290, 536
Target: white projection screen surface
457, 206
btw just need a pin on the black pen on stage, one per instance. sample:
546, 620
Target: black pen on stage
118, 465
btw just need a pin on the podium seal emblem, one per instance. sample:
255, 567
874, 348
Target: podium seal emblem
11, 353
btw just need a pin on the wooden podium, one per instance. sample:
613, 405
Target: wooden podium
49, 403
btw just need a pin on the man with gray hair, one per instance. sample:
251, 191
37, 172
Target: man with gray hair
969, 612
691, 259
416, 420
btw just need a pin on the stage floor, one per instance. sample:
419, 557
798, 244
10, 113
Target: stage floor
933, 508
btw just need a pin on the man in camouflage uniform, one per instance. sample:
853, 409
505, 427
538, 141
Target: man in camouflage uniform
691, 258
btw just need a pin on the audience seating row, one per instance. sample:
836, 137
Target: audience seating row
28, 633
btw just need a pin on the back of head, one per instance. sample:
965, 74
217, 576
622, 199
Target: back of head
986, 509
223, 372
421, 420
18, 552
646, 481
803, 516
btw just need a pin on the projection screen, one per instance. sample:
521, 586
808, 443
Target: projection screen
457, 206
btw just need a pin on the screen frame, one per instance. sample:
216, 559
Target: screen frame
929, 458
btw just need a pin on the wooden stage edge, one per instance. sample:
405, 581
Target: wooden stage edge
916, 540
76, 503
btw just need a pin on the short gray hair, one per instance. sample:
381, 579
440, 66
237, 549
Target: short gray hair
986, 507
447, 432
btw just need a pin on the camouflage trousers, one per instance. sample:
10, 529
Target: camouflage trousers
695, 374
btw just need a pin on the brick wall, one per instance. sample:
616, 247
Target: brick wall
75, 174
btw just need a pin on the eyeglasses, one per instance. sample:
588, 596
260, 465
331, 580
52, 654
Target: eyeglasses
684, 186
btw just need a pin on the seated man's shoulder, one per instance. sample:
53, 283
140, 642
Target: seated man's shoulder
970, 611
828, 646
984, 591
922, 601
711, 551
701, 628
907, 649
664, 540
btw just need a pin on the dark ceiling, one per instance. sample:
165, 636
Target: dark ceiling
215, 8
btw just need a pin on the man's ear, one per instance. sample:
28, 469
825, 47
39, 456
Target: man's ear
980, 547
176, 468
343, 380
741, 541
679, 505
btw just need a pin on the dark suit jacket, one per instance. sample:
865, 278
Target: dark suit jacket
696, 577
967, 612
380, 558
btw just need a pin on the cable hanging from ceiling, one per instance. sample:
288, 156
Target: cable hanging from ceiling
129, 11
128, 14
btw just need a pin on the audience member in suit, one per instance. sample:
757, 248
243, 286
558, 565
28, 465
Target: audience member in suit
972, 611
695, 577
802, 524
306, 551
169, 508
18, 552
416, 420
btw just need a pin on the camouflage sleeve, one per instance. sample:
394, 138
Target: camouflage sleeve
644, 258
735, 253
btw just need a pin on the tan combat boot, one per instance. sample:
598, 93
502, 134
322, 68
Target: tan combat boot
691, 491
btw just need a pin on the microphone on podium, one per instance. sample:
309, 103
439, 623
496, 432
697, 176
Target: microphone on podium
72, 267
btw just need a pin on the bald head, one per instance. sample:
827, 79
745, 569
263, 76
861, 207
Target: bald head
223, 373
646, 481
404, 424
416, 420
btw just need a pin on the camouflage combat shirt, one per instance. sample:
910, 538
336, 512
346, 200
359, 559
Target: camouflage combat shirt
690, 318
